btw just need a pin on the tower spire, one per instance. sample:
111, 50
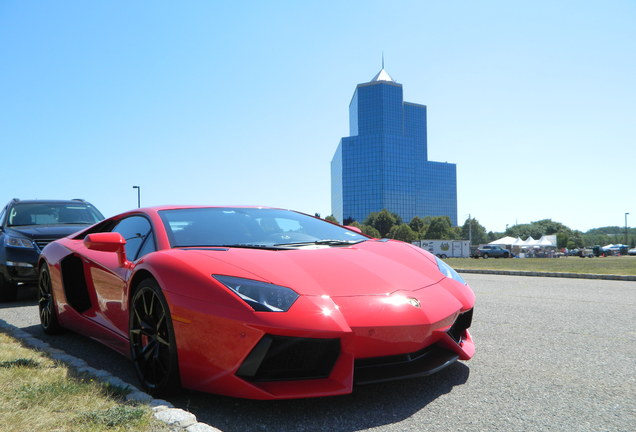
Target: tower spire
382, 75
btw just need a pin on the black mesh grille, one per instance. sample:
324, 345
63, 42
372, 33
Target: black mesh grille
278, 358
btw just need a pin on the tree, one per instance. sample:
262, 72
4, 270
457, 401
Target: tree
331, 218
440, 229
370, 231
403, 232
417, 224
562, 240
383, 221
576, 240
537, 229
474, 231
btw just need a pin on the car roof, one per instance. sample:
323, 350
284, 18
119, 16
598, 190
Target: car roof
48, 201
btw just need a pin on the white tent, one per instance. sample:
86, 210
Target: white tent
530, 242
544, 241
504, 241
547, 241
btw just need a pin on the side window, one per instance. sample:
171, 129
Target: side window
2, 213
147, 247
138, 234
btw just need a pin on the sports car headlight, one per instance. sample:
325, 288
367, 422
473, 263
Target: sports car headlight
448, 271
261, 296
18, 242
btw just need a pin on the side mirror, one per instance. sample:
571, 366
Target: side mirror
108, 242
353, 228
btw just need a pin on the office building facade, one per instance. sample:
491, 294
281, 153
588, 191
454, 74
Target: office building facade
384, 164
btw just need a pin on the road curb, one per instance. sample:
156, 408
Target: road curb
179, 420
549, 274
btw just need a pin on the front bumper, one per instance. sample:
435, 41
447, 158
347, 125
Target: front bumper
20, 265
322, 346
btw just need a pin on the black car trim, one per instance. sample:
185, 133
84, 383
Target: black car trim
424, 362
74, 282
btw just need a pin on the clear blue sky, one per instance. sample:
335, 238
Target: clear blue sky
244, 102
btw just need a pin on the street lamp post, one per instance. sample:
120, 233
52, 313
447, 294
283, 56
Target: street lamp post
138, 195
626, 240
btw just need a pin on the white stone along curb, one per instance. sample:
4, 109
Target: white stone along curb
178, 419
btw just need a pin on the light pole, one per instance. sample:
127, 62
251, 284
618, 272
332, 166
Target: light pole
626, 240
138, 195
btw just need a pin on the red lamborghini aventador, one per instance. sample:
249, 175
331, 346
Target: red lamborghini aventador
255, 302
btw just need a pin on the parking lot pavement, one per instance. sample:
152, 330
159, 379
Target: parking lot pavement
552, 355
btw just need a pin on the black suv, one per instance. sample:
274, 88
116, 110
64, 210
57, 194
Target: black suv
26, 227
486, 251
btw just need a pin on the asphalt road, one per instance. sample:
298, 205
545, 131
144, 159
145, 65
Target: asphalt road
552, 355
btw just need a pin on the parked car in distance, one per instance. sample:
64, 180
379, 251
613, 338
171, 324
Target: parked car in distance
632, 251
487, 251
26, 226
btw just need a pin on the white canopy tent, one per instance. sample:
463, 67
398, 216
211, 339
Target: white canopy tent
504, 241
544, 241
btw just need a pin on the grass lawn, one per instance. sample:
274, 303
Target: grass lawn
41, 394
620, 265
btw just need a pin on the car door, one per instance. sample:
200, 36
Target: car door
109, 279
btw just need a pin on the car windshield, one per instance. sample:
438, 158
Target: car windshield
75, 213
252, 227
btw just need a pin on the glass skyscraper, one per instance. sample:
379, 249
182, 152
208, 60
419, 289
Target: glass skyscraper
384, 164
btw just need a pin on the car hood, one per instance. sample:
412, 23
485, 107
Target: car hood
368, 268
45, 231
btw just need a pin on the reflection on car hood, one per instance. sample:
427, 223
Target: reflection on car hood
368, 268
45, 231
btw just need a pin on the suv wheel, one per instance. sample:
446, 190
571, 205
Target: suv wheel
485, 256
8, 290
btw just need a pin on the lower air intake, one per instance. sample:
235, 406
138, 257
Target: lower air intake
462, 323
280, 358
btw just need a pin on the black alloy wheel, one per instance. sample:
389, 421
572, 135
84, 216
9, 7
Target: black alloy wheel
46, 303
152, 341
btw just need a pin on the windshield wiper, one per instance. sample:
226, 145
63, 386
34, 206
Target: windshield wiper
323, 242
236, 245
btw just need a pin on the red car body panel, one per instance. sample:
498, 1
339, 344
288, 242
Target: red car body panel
377, 298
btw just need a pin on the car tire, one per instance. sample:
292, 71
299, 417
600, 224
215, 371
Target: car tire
8, 290
46, 303
506, 255
153, 348
485, 256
